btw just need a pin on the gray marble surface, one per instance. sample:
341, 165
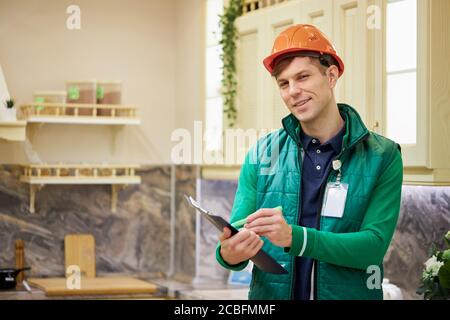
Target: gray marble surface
424, 219
216, 196
185, 220
136, 240
201, 291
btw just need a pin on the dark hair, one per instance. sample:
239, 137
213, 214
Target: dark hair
324, 61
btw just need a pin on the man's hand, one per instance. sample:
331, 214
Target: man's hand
240, 247
271, 224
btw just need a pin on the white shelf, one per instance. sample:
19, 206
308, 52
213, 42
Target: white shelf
72, 113
84, 120
118, 176
115, 116
13, 130
81, 180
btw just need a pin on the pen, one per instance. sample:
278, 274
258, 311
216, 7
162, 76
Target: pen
240, 223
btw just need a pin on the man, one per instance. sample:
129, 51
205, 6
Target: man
339, 186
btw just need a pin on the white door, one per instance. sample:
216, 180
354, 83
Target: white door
250, 71
349, 20
279, 18
318, 13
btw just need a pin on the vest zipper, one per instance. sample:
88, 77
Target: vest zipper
297, 217
318, 220
322, 193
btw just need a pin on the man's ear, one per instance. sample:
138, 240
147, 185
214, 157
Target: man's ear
333, 75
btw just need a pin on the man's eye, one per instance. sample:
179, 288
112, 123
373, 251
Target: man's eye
282, 85
305, 76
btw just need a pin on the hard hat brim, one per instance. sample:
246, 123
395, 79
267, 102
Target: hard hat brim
270, 60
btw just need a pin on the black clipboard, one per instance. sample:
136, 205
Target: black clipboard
262, 260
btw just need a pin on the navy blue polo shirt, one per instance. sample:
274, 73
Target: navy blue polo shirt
317, 162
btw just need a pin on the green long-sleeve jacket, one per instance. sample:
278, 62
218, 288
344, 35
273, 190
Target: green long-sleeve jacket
348, 252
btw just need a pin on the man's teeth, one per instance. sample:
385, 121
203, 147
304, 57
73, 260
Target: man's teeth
298, 104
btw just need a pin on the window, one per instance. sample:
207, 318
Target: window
214, 104
401, 71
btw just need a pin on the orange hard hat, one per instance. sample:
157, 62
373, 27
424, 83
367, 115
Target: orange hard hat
301, 37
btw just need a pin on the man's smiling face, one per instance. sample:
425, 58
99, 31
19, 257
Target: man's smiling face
306, 88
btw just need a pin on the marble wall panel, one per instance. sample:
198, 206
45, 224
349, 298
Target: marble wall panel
134, 240
216, 196
185, 223
424, 219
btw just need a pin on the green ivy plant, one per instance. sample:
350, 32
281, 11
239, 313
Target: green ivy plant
228, 56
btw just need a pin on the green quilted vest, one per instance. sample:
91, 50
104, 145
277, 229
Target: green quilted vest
277, 159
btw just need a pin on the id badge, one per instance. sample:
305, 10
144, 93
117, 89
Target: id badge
334, 200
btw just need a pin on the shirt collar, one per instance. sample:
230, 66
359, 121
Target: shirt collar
335, 142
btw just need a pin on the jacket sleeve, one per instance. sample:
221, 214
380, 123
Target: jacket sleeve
367, 246
244, 201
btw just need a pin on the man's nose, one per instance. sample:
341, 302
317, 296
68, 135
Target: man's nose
294, 89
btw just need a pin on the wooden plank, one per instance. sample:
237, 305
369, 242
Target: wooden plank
81, 180
91, 165
94, 286
79, 250
20, 258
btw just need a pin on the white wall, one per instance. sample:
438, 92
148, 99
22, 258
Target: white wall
153, 46
190, 69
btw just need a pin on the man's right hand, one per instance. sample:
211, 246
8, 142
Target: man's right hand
240, 247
